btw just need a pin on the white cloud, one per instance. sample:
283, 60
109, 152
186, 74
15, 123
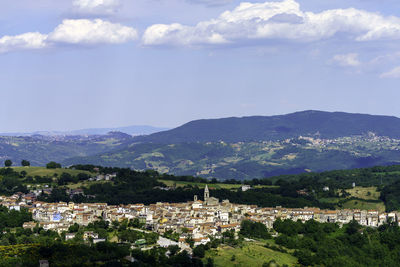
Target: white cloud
78, 32
84, 31
97, 6
347, 60
175, 34
385, 58
31, 40
394, 73
277, 20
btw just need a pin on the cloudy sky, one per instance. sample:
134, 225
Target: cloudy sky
71, 64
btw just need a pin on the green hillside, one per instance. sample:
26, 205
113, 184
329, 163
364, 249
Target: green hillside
248, 160
230, 148
42, 171
40, 150
263, 128
248, 254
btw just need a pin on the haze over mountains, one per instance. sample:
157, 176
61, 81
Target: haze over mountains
131, 130
239, 148
264, 128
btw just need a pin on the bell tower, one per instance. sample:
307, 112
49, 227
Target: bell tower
206, 193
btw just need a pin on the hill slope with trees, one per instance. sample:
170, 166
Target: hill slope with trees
265, 128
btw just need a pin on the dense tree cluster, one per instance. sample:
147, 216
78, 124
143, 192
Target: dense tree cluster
53, 165
254, 230
319, 244
391, 196
10, 182
25, 163
8, 163
13, 218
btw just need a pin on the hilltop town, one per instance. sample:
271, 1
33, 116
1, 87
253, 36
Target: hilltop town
200, 219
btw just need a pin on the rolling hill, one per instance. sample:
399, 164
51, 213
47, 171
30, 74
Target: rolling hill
39, 149
239, 148
131, 130
265, 128
257, 147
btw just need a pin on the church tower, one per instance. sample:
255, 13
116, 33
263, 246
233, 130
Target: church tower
206, 193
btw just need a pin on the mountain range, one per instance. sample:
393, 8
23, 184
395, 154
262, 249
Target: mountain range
131, 130
265, 128
238, 148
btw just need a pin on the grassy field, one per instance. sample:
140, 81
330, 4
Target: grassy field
333, 200
42, 171
364, 192
363, 205
250, 254
85, 184
202, 185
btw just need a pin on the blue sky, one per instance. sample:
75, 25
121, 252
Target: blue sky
72, 64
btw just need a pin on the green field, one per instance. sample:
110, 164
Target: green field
249, 254
85, 184
363, 193
333, 200
42, 171
363, 205
211, 186
369, 193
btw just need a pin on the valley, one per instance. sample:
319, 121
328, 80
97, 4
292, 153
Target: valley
229, 148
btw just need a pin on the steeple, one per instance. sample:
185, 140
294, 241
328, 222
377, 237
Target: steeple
206, 193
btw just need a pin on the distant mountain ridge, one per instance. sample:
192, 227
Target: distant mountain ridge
131, 130
238, 148
261, 146
262, 128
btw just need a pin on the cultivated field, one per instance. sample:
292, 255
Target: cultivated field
211, 186
363, 205
249, 254
369, 193
42, 171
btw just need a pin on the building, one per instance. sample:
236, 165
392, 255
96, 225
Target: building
209, 200
246, 187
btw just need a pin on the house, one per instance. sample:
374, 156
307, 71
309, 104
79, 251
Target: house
201, 241
164, 242
245, 187
69, 236
228, 227
14, 207
90, 234
98, 240
29, 225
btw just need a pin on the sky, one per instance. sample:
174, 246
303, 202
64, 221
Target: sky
73, 64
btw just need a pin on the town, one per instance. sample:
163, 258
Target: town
197, 219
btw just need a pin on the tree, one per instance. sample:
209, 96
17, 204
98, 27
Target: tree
65, 178
254, 230
53, 165
25, 163
199, 251
173, 249
352, 227
210, 262
73, 228
8, 163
